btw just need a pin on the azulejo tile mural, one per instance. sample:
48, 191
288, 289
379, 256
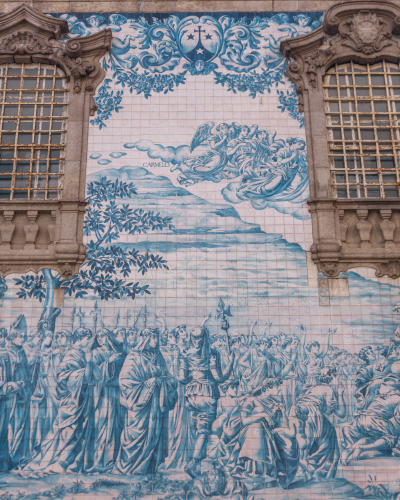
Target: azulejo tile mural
193, 356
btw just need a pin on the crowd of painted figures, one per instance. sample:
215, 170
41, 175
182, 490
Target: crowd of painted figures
140, 401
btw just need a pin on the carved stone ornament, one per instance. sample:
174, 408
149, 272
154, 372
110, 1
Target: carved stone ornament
368, 33
53, 229
330, 268
361, 31
79, 58
66, 270
347, 233
24, 42
391, 269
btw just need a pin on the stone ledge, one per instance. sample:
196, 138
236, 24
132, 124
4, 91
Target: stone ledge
60, 6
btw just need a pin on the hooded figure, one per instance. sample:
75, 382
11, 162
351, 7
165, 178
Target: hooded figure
64, 449
19, 417
148, 392
106, 425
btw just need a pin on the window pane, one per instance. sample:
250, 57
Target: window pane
391, 192
369, 125
28, 135
387, 162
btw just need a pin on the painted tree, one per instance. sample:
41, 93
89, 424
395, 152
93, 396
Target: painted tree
108, 265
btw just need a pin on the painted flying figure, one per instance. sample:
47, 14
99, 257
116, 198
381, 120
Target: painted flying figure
277, 171
119, 55
95, 23
241, 149
211, 165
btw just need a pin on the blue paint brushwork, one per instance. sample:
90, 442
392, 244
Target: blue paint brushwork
191, 358
264, 170
160, 51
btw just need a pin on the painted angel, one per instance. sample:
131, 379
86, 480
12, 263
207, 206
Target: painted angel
278, 170
96, 23
209, 166
241, 148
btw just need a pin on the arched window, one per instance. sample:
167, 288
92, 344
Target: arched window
33, 130
47, 86
362, 106
347, 76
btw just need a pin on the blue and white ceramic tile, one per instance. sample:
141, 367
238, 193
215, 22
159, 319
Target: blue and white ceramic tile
193, 357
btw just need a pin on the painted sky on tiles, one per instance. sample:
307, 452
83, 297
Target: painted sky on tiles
156, 55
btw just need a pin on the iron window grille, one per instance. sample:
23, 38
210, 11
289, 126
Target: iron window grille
362, 106
347, 78
47, 85
33, 125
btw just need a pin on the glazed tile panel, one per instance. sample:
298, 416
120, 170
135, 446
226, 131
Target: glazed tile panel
194, 356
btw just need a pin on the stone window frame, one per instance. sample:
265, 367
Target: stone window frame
347, 233
48, 234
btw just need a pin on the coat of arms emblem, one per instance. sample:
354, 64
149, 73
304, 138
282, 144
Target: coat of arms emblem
368, 33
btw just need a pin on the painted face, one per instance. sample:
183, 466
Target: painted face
182, 333
119, 336
197, 338
131, 339
223, 129
315, 348
199, 65
94, 21
19, 339
275, 391
370, 355
233, 390
34, 338
47, 341
154, 340
244, 132
61, 339
171, 339
302, 21
101, 339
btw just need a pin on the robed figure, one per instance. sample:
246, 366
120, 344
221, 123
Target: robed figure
148, 392
103, 444
8, 392
19, 417
64, 449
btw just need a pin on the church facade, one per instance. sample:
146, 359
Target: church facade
200, 228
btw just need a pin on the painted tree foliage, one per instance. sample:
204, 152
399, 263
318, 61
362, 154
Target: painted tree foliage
108, 265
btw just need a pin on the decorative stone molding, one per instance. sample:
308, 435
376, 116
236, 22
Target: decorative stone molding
38, 234
347, 233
